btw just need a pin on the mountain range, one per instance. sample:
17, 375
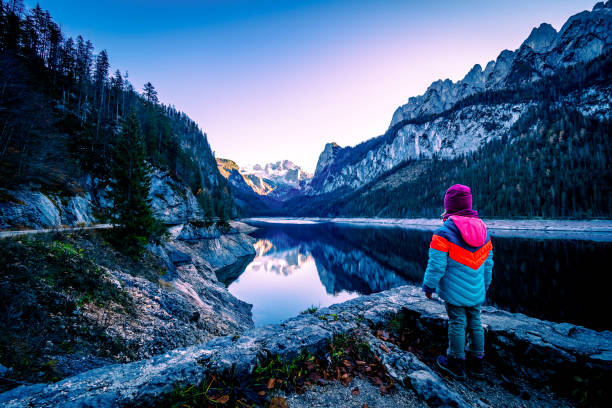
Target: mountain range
533, 114
258, 188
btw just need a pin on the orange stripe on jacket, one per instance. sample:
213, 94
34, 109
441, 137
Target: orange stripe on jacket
439, 243
471, 259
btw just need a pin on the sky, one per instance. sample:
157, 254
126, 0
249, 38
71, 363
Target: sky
274, 80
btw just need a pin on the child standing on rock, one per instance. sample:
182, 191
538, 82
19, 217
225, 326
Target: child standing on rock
460, 268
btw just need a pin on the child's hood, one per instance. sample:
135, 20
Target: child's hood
473, 230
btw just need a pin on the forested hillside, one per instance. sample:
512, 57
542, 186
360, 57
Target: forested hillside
555, 166
61, 112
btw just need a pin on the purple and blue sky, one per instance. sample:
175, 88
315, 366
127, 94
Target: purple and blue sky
272, 80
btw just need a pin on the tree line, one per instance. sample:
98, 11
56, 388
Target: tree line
62, 116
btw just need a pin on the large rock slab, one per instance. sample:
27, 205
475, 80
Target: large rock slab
144, 381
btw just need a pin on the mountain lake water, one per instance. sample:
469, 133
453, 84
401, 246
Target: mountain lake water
298, 266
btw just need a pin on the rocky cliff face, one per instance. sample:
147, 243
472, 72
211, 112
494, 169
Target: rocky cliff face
431, 124
190, 304
34, 209
461, 132
583, 37
172, 203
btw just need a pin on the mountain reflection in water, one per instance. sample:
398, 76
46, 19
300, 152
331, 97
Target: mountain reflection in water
298, 266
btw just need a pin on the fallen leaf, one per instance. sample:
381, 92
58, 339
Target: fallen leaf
365, 406
261, 393
384, 348
271, 382
223, 399
355, 391
346, 363
359, 362
278, 402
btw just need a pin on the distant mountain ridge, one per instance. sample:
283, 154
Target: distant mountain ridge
281, 172
258, 188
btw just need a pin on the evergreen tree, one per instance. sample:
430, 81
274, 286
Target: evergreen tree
131, 183
150, 93
117, 89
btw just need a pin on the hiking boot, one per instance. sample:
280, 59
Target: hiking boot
455, 367
474, 366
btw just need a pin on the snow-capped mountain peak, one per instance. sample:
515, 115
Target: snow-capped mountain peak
282, 172
278, 181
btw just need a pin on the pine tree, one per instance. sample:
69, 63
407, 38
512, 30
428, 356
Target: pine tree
150, 93
131, 183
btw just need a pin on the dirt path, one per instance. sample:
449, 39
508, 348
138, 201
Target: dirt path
9, 234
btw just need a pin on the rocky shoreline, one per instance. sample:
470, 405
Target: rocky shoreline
542, 353
595, 230
170, 298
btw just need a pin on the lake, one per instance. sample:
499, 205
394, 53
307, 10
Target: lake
298, 266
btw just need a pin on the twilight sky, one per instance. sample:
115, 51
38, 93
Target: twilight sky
270, 80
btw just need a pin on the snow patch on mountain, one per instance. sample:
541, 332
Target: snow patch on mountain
281, 172
280, 181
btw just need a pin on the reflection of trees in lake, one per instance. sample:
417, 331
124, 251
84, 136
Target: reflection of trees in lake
559, 280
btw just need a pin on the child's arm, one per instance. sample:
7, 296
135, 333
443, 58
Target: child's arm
436, 266
488, 270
